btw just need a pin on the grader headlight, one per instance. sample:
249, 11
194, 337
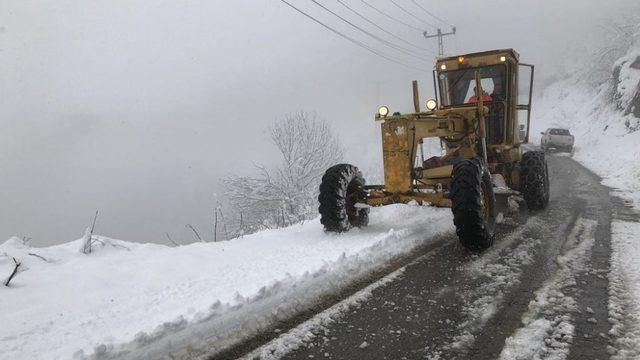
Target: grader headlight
431, 104
383, 111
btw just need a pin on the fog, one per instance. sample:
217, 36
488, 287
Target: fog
139, 108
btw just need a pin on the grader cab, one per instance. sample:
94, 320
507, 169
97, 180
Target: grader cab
482, 99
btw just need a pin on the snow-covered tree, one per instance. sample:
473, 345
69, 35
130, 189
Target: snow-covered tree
620, 35
625, 89
286, 194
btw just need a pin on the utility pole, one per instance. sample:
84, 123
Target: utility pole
440, 35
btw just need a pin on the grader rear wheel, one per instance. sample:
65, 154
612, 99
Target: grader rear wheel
473, 204
341, 189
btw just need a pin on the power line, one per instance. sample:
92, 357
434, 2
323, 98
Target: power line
361, 44
379, 27
388, 43
430, 13
391, 17
411, 14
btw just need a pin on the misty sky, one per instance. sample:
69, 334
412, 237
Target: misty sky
138, 108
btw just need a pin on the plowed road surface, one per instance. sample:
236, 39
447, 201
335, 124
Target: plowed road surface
540, 292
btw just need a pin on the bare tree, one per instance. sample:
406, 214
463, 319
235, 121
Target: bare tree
287, 193
26, 241
215, 224
195, 232
13, 273
88, 239
40, 257
241, 231
170, 239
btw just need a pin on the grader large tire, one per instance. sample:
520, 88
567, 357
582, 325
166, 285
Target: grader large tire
342, 187
534, 180
473, 204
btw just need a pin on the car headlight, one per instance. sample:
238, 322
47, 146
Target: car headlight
431, 104
383, 111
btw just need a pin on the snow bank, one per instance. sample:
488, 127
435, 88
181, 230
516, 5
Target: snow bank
604, 138
306, 332
624, 290
131, 300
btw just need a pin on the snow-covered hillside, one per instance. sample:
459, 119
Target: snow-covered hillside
604, 122
606, 125
128, 297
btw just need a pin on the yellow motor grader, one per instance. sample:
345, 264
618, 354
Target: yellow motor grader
482, 99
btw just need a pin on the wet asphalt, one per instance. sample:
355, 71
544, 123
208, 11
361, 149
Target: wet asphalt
450, 303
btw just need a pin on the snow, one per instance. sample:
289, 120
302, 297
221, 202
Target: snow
603, 143
628, 79
132, 300
624, 290
548, 328
496, 270
305, 332
606, 141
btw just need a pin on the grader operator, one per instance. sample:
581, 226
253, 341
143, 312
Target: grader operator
482, 98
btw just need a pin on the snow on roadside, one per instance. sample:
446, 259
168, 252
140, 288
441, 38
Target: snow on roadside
131, 300
548, 324
607, 138
305, 332
602, 141
624, 290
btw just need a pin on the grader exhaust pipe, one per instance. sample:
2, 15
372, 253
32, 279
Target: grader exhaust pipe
416, 96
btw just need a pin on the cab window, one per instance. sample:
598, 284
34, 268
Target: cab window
457, 86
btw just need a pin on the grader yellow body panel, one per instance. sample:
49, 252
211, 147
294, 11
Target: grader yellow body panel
460, 124
396, 156
476, 120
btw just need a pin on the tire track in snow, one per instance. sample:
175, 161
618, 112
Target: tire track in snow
501, 268
431, 300
623, 307
548, 324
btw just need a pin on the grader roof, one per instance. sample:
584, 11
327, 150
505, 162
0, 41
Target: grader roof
477, 59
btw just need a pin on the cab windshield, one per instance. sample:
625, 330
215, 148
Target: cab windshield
457, 87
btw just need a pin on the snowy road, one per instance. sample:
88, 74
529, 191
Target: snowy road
540, 292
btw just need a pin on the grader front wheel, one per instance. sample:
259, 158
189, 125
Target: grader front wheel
473, 204
341, 189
